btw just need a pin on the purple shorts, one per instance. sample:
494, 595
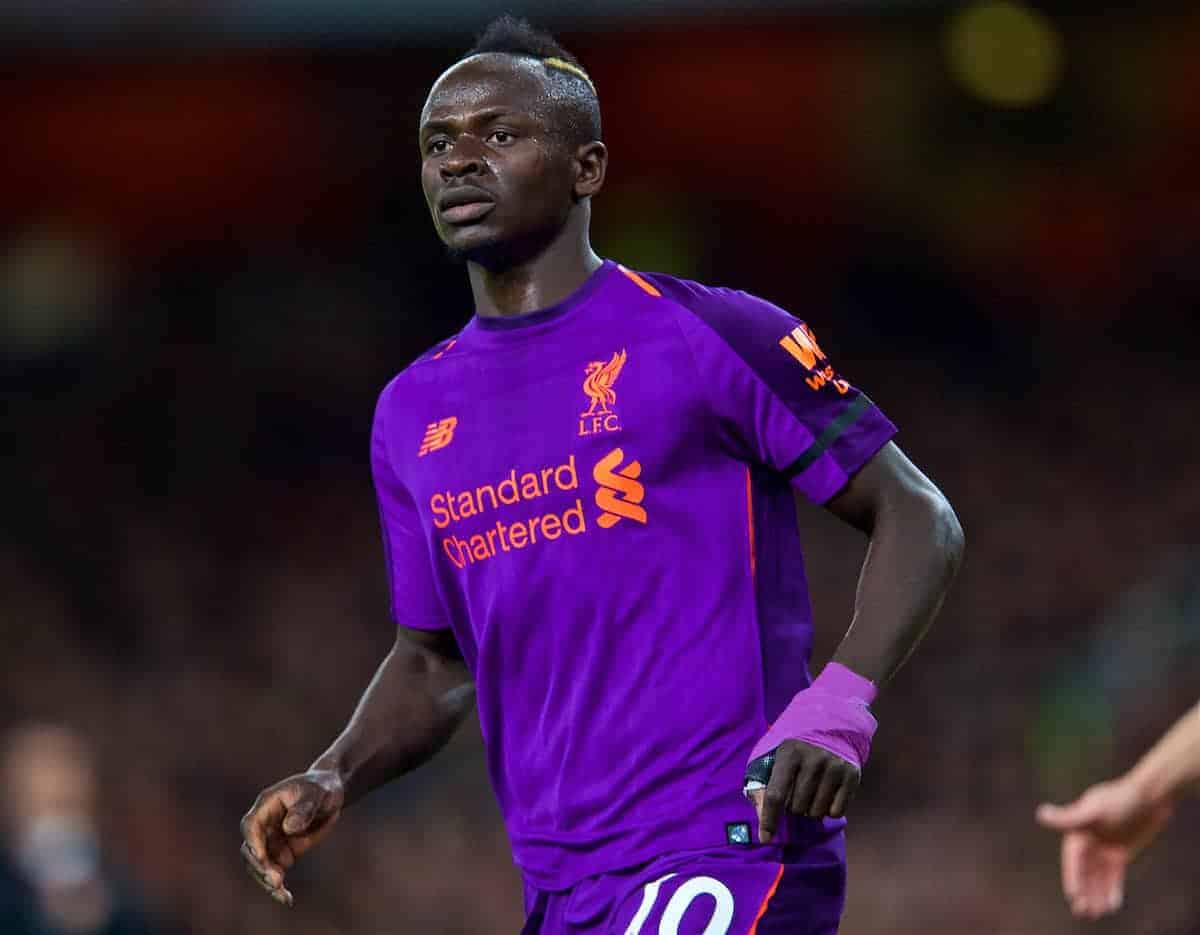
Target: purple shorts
769, 890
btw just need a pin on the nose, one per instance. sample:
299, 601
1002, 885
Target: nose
465, 158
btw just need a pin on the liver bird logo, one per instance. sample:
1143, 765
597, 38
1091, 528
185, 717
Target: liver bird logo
598, 383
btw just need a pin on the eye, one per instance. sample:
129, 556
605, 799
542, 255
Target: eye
500, 137
437, 146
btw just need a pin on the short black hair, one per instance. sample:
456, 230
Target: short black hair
572, 86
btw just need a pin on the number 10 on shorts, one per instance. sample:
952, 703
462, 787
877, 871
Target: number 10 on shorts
678, 904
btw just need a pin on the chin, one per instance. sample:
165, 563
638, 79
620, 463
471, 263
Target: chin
498, 252
476, 247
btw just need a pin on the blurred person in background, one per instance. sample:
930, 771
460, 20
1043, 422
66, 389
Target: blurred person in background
1108, 826
53, 880
637, 661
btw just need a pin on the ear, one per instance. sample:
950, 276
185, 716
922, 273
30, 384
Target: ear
591, 162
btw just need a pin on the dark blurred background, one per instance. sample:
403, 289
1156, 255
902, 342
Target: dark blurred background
214, 253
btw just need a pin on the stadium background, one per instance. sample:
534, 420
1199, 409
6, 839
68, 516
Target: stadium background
214, 252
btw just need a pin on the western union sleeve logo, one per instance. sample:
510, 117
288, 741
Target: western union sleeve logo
619, 496
802, 344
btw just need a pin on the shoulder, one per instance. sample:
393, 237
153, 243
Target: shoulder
435, 354
422, 368
734, 315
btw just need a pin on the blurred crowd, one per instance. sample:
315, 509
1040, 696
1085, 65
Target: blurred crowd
194, 593
190, 561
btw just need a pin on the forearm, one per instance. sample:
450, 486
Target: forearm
412, 706
1172, 765
915, 549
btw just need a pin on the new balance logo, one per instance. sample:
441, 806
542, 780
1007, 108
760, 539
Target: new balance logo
437, 435
619, 495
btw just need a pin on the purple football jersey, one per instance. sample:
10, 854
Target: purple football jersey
597, 498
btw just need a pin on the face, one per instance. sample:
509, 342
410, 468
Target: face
46, 774
496, 178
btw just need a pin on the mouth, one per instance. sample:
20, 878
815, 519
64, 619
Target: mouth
465, 205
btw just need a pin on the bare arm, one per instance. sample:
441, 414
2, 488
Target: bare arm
915, 550
1106, 828
419, 696
1172, 765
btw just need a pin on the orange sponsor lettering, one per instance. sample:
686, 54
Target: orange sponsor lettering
619, 495
802, 344
514, 536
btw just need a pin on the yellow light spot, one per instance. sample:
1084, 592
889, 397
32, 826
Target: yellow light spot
1005, 53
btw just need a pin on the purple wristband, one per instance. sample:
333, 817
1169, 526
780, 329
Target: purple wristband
831, 713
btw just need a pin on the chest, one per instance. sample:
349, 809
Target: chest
531, 422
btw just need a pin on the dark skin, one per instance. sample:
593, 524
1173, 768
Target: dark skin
510, 193
916, 546
487, 128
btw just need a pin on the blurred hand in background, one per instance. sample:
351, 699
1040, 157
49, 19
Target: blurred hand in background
1103, 831
1106, 828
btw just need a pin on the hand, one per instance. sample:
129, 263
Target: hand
1103, 831
285, 822
805, 780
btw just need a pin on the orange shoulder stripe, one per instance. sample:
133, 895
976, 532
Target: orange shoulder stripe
640, 281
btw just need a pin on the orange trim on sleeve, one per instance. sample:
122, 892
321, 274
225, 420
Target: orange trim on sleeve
641, 282
750, 523
438, 355
762, 910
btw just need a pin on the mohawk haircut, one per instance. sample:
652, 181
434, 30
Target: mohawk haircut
570, 86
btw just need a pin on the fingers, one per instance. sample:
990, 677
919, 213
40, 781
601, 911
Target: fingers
279, 849
805, 780
1093, 880
1099, 898
265, 848
1073, 854
266, 813
1078, 814
825, 785
845, 792
822, 801
1101, 894
776, 796
805, 787
270, 880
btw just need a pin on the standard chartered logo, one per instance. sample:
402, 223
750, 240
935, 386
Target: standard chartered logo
502, 516
619, 495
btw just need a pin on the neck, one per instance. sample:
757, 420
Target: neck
538, 282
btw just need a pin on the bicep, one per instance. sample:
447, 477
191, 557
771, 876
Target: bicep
888, 480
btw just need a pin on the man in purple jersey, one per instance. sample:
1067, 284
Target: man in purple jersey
587, 499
